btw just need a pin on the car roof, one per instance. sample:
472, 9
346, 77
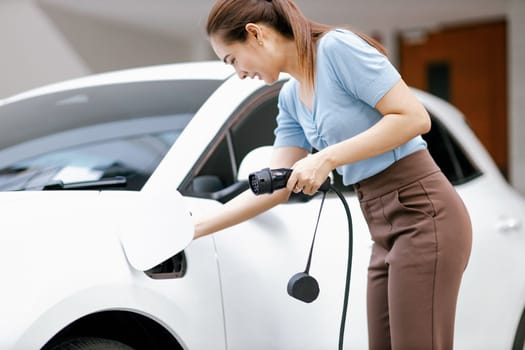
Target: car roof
204, 70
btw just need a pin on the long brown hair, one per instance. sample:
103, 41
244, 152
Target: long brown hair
228, 19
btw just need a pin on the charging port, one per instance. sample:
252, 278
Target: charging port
174, 267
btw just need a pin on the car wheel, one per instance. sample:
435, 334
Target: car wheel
519, 340
91, 344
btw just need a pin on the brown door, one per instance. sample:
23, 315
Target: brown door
465, 65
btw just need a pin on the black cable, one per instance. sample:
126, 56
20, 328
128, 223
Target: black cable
307, 269
348, 266
324, 189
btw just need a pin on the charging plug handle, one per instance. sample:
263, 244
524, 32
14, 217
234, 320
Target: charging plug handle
268, 180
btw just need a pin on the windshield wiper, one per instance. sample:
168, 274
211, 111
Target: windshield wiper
116, 181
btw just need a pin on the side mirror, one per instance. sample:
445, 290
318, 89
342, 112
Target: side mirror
255, 160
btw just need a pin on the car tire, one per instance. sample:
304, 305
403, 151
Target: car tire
519, 340
89, 343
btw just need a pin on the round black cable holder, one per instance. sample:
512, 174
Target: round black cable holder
302, 286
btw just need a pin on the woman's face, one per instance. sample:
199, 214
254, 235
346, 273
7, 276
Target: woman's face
251, 59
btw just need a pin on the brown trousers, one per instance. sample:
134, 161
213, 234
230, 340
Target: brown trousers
422, 240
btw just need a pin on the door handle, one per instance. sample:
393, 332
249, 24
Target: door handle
508, 224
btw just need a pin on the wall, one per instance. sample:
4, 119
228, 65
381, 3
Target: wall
105, 44
43, 44
34, 53
516, 74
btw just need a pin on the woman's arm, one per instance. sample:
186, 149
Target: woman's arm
404, 117
247, 205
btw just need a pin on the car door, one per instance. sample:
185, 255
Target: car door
257, 258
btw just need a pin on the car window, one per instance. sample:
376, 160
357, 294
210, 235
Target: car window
449, 155
251, 126
216, 173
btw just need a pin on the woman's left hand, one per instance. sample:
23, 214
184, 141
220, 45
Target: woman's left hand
309, 174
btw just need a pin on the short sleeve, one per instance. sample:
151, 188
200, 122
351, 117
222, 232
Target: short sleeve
357, 66
288, 131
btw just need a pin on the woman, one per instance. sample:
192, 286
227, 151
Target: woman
346, 100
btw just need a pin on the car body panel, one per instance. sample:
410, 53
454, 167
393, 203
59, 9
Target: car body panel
256, 270
493, 279
75, 265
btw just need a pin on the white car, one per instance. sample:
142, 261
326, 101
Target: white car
99, 177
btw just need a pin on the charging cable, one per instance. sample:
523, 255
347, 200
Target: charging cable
302, 286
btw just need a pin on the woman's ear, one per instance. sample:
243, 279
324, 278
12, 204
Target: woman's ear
254, 30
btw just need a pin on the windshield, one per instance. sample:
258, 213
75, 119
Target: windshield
134, 158
94, 133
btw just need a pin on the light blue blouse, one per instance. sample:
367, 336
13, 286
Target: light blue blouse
351, 77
